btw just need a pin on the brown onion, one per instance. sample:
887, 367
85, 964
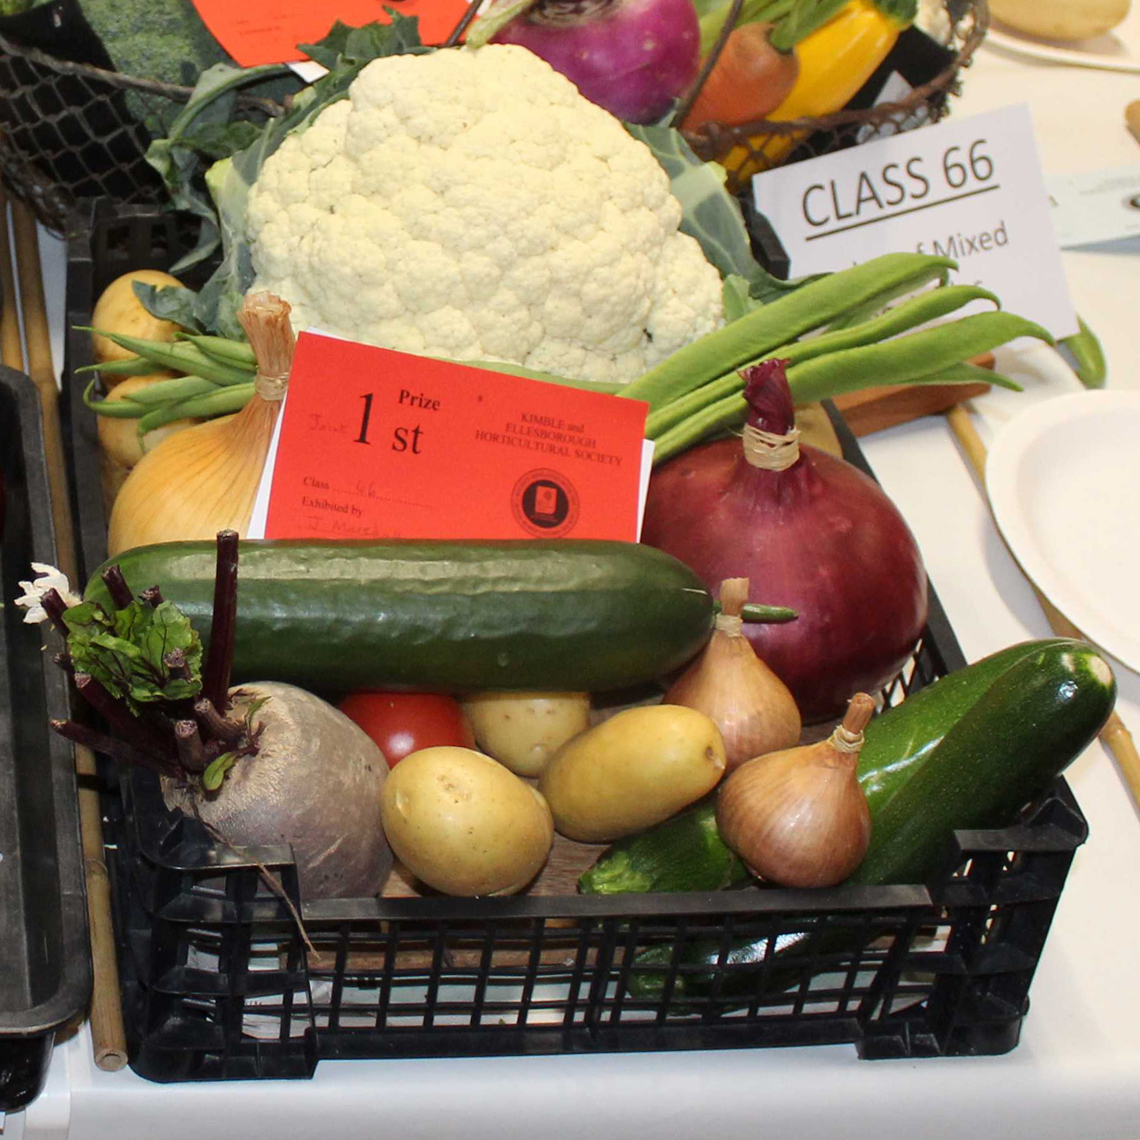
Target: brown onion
750, 705
817, 533
798, 817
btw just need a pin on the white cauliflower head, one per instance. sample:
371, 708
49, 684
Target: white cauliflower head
472, 205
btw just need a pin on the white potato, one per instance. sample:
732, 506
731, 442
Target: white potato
464, 824
633, 770
1061, 20
118, 310
523, 730
120, 439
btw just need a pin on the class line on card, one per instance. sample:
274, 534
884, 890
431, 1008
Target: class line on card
373, 497
900, 213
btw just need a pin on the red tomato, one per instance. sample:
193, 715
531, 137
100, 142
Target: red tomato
406, 722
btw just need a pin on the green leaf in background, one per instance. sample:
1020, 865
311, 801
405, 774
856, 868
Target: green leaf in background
209, 115
125, 651
712, 215
764, 287
737, 297
346, 46
168, 303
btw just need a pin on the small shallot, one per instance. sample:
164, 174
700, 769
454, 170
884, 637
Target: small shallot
754, 710
798, 817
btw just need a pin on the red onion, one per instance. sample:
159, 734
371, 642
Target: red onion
632, 57
819, 535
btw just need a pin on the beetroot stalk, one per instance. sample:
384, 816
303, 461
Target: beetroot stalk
143, 737
117, 587
223, 625
113, 746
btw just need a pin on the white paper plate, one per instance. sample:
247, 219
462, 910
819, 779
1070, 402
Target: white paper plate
1120, 60
1063, 478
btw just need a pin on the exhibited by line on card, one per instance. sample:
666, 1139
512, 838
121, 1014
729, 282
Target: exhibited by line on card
372, 443
968, 189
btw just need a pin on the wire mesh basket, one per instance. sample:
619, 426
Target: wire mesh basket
73, 131
911, 87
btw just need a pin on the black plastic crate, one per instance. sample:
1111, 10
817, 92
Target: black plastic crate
219, 982
45, 971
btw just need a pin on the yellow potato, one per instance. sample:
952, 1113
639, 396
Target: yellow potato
523, 730
464, 824
634, 770
118, 310
120, 438
1061, 20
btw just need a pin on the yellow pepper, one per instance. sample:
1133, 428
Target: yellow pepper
834, 62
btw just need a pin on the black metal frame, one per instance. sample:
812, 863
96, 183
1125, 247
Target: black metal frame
45, 965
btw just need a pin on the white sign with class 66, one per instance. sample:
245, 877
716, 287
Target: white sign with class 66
970, 189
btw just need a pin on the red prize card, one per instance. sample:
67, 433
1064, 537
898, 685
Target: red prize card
381, 444
268, 31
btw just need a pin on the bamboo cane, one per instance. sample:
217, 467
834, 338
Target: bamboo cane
106, 1012
1115, 735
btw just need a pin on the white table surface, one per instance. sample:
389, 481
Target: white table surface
1076, 1073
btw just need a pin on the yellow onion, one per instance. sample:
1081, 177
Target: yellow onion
754, 710
798, 817
205, 479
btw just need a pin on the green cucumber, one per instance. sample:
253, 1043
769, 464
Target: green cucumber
1031, 723
558, 616
901, 737
1005, 750
685, 853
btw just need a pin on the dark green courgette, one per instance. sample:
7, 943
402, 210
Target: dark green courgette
685, 853
899, 738
566, 616
1028, 725
1031, 723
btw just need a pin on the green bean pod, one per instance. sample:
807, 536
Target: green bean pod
1087, 356
172, 391
729, 412
677, 411
908, 358
606, 387
132, 366
236, 353
929, 305
158, 394
869, 309
966, 373
117, 409
222, 401
926, 306
179, 356
812, 306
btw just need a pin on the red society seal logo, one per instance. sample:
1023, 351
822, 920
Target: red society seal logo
545, 504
